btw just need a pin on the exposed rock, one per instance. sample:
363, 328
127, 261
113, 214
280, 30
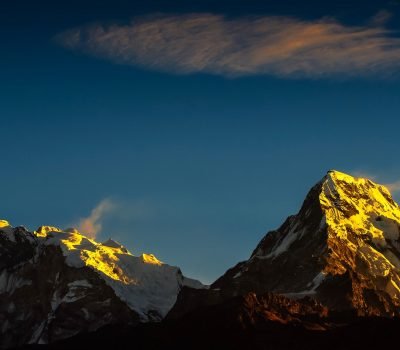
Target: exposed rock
267, 322
342, 249
55, 284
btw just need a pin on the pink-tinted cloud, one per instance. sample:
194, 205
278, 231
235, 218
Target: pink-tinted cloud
280, 46
92, 225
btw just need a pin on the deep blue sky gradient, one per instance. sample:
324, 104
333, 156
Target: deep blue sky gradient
201, 166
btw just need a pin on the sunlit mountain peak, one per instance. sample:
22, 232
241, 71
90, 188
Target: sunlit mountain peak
150, 259
342, 249
4, 223
72, 276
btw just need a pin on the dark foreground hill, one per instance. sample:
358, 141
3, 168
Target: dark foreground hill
247, 322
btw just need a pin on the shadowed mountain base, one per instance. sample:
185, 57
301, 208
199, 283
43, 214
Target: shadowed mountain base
247, 322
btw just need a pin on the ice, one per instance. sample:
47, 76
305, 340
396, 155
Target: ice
143, 282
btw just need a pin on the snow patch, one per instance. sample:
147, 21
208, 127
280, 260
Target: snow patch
318, 279
283, 245
80, 283
113, 244
75, 291
238, 274
144, 283
389, 227
9, 283
44, 231
313, 285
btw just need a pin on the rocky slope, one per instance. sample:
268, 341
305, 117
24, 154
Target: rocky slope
55, 284
328, 277
268, 321
342, 249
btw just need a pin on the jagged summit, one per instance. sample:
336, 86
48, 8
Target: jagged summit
57, 283
4, 223
113, 244
150, 259
340, 253
339, 186
353, 225
351, 204
342, 249
359, 206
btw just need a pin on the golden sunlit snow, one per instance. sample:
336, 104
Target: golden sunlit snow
363, 222
151, 259
101, 257
4, 223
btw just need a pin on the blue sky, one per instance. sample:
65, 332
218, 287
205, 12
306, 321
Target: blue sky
200, 150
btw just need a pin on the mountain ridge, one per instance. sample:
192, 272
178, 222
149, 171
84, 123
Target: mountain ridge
334, 267
342, 248
56, 283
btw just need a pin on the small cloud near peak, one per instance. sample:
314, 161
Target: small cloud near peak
92, 225
393, 187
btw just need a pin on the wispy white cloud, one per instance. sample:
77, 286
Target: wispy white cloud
280, 46
92, 225
364, 174
393, 187
123, 215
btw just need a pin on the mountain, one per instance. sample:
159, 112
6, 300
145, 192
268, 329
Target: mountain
265, 322
342, 249
329, 278
55, 284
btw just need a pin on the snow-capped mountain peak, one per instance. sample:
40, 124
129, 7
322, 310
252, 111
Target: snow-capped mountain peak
363, 220
342, 249
114, 244
73, 278
4, 223
366, 207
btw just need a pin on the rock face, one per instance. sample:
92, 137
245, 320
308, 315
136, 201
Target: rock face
265, 322
55, 284
342, 249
